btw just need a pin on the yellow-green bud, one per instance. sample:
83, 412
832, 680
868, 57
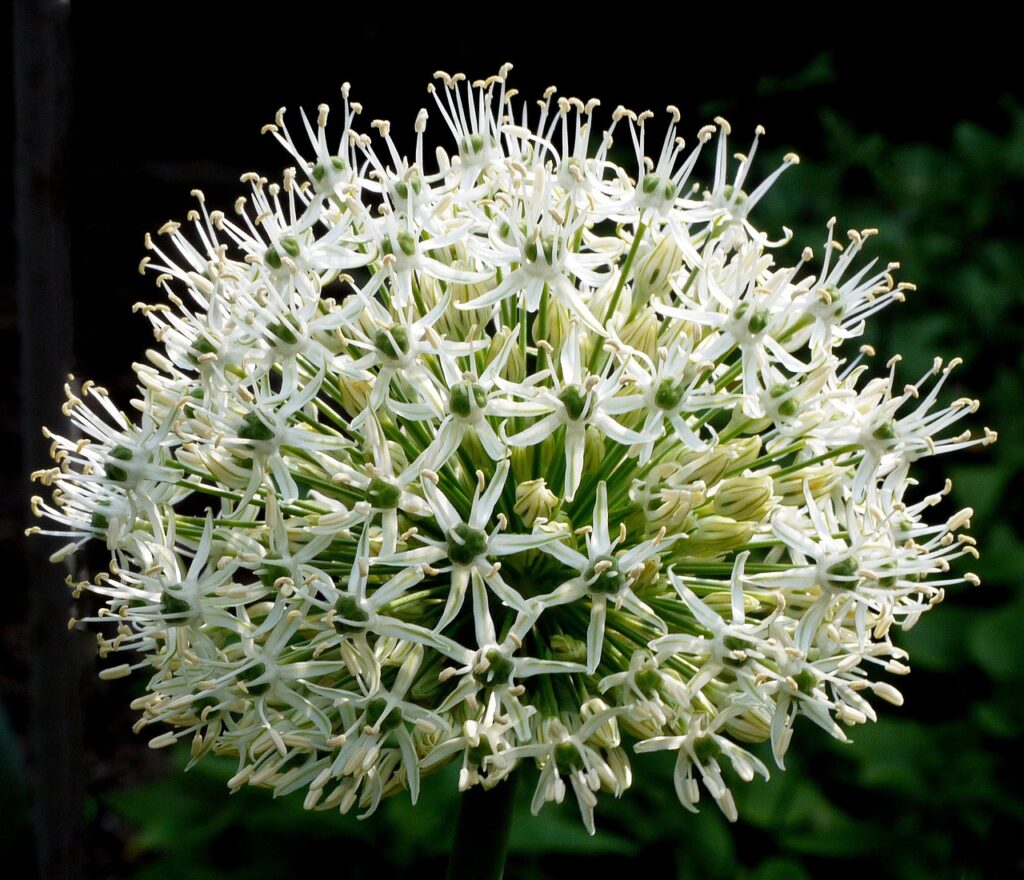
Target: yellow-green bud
522, 459
607, 735
593, 449
744, 498
711, 466
655, 269
534, 499
564, 647
716, 534
720, 602
556, 324
707, 467
749, 727
820, 478
642, 332
355, 394
640, 727
515, 367
615, 772
667, 498
460, 320
744, 450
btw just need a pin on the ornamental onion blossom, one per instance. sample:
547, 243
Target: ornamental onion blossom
516, 456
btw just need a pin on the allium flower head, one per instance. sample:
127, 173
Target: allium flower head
513, 454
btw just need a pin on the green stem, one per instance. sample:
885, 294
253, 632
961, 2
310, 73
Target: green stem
481, 835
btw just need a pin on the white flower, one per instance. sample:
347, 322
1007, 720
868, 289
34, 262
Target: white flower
590, 396
572, 402
603, 574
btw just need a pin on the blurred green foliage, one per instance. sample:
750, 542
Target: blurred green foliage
934, 788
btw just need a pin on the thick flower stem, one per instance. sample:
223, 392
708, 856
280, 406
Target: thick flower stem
481, 834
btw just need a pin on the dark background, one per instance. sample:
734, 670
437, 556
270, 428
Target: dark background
921, 135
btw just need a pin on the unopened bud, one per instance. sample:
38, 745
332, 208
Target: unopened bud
553, 325
460, 320
593, 449
749, 727
716, 534
642, 333
888, 693
534, 499
607, 735
666, 498
565, 647
820, 479
355, 394
515, 367
744, 498
655, 270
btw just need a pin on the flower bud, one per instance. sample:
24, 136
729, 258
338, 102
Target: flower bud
666, 498
607, 735
555, 325
654, 271
593, 449
706, 467
749, 727
744, 451
533, 500
565, 647
743, 498
616, 775
355, 394
642, 332
716, 534
515, 367
523, 465
712, 465
458, 321
640, 723
820, 479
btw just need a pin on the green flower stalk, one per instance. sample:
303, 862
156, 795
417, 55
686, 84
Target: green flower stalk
513, 456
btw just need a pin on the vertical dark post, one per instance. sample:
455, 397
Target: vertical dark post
42, 92
481, 833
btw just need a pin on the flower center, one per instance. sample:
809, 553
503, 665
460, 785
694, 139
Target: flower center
120, 453
706, 749
544, 248
255, 429
175, 606
886, 432
382, 494
325, 172
402, 187
251, 676
669, 394
467, 398
576, 402
568, 757
843, 574
758, 320
499, 669
475, 146
465, 544
787, 405
348, 616
654, 185
604, 576
393, 342
375, 717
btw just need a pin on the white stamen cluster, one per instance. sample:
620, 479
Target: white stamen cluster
518, 455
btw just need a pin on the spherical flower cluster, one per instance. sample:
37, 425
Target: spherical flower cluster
511, 455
